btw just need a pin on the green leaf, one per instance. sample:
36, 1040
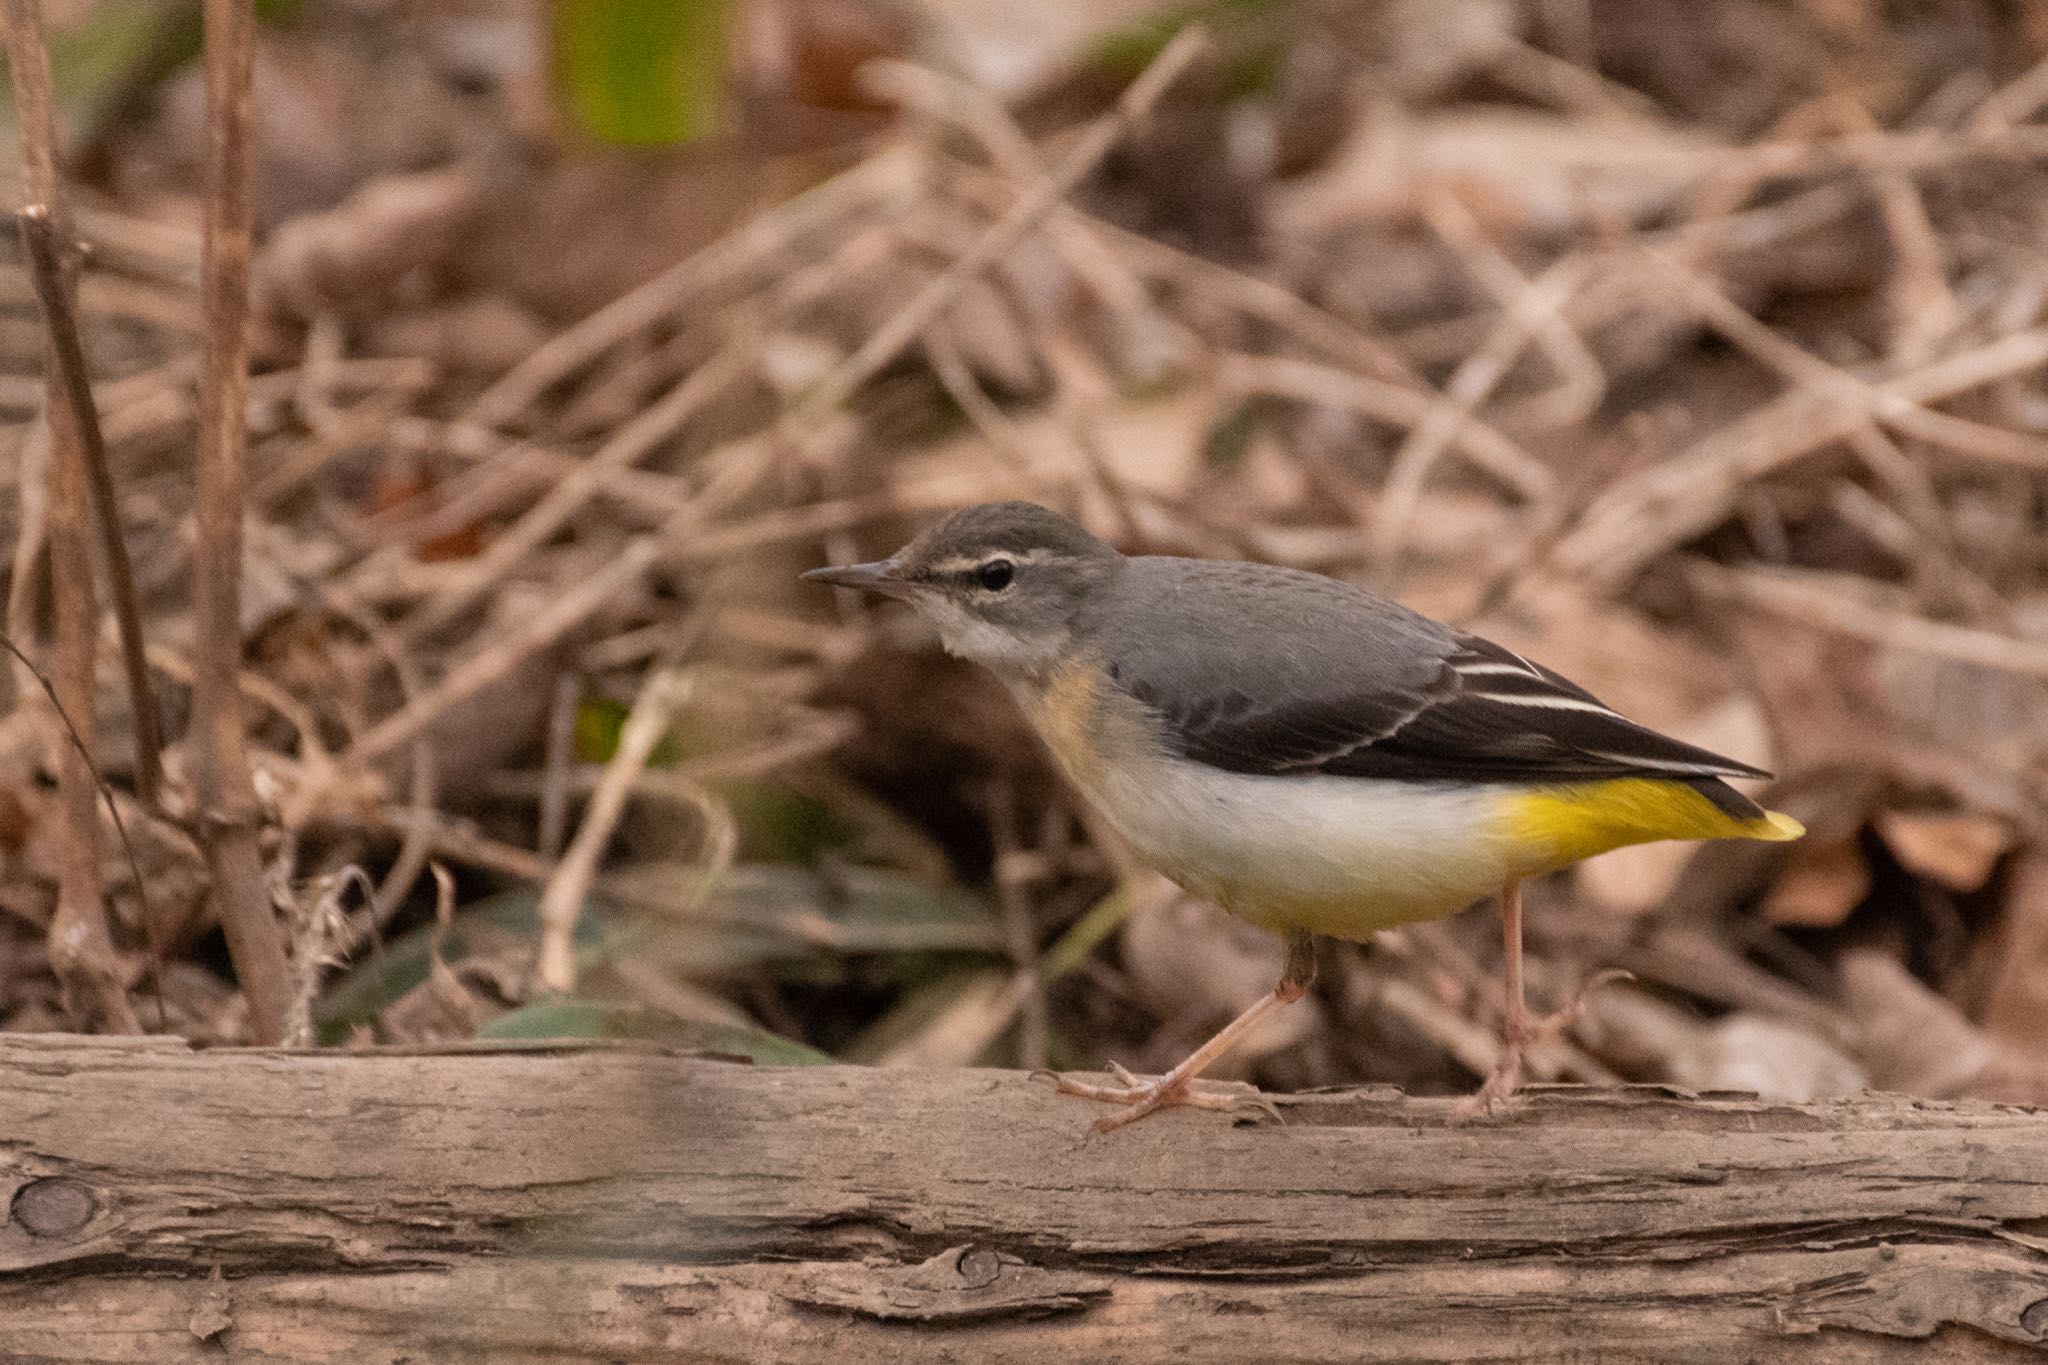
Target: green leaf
571, 1017
86, 61
642, 73
507, 923
1230, 439
777, 823
758, 916
772, 913
1085, 935
599, 723
1249, 37
125, 49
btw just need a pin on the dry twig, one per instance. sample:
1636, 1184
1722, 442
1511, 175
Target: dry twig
228, 812
81, 948
1650, 513
765, 238
561, 903
1832, 603
52, 276
887, 341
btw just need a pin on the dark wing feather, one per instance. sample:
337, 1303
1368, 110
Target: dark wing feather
1259, 670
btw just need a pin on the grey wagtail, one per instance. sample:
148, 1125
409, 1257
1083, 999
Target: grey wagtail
1311, 757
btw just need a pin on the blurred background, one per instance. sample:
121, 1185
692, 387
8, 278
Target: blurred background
1693, 347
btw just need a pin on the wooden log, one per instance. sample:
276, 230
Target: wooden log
566, 1203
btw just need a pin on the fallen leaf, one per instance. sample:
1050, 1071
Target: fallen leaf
949, 1022
1915, 1042
1820, 888
1958, 849
1777, 1059
1011, 48
1638, 1032
571, 1017
2015, 998
1520, 170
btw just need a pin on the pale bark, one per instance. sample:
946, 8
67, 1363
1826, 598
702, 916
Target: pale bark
584, 1203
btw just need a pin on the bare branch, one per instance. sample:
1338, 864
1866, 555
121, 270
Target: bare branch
81, 949
106, 792
226, 796
49, 258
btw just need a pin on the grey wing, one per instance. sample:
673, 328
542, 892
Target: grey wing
1263, 670
1252, 676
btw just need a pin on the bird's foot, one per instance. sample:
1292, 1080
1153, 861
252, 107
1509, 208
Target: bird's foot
1140, 1096
1500, 1085
1525, 1030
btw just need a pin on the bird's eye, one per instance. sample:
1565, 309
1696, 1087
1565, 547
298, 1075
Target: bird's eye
996, 574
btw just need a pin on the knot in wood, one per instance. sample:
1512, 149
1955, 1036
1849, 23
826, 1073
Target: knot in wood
978, 1267
2034, 1318
53, 1207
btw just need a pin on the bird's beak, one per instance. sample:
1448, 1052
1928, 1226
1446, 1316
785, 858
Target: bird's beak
880, 576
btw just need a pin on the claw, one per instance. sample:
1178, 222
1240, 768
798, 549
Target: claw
1176, 1089
1550, 1025
1141, 1097
1522, 1031
1500, 1085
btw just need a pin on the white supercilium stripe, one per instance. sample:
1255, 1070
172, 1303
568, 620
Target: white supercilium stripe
965, 563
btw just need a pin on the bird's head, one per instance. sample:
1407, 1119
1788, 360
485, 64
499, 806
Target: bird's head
1004, 582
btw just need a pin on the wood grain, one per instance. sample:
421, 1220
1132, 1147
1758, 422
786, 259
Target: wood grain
586, 1203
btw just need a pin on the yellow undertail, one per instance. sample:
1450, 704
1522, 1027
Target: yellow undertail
1560, 825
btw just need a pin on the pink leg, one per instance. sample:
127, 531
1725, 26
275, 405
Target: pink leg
1522, 1027
1506, 1077
1176, 1087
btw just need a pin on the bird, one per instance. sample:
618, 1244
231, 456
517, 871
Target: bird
1313, 757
